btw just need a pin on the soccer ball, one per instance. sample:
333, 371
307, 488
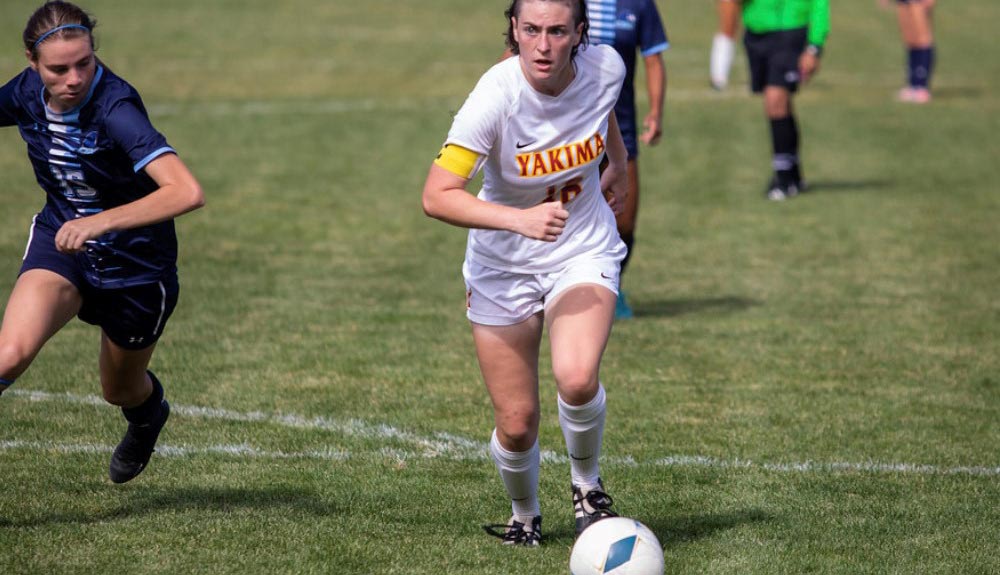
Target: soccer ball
616, 546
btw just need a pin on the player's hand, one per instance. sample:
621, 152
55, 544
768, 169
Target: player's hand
614, 185
74, 234
652, 132
808, 65
545, 222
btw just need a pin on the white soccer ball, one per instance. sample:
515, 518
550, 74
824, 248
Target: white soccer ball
616, 546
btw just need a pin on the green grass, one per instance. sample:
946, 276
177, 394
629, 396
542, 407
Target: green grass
855, 325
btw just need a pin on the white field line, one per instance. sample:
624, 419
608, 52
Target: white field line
173, 450
440, 445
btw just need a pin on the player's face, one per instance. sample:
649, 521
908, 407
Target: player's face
67, 68
546, 36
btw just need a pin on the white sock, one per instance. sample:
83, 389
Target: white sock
519, 472
583, 429
723, 50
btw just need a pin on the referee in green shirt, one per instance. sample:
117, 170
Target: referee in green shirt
784, 41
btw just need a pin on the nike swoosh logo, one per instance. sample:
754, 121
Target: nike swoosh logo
571, 456
604, 276
520, 145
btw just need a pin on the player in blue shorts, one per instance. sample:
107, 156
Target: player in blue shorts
103, 247
630, 26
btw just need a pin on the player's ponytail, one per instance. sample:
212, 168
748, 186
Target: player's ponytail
56, 19
579, 17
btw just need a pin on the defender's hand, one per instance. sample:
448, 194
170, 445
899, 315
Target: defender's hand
74, 234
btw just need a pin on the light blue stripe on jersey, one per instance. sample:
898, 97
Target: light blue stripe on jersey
602, 15
655, 49
142, 163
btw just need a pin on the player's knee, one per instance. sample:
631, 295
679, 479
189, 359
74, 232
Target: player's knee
14, 359
518, 431
122, 395
577, 384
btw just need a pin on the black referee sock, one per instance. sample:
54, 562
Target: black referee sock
629, 240
148, 410
785, 143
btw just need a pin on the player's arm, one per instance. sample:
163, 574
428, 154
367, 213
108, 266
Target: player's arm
819, 28
445, 198
178, 193
614, 178
656, 87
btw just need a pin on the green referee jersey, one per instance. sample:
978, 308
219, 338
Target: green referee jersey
761, 16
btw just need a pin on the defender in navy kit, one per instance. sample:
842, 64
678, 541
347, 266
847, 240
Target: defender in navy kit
631, 27
103, 247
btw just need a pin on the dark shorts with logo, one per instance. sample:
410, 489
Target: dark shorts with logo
774, 58
132, 317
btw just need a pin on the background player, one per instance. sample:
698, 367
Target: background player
916, 25
103, 247
630, 25
543, 247
784, 40
724, 43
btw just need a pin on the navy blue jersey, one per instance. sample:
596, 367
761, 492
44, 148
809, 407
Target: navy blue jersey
91, 159
628, 25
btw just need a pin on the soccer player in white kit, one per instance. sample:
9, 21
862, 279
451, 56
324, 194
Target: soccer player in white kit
543, 247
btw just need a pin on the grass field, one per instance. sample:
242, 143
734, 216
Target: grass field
811, 386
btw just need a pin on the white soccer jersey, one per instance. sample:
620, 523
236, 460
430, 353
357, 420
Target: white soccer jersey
541, 147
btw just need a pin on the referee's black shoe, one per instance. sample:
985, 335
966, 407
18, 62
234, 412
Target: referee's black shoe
776, 191
136, 447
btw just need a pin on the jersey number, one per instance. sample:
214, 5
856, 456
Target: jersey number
72, 183
566, 193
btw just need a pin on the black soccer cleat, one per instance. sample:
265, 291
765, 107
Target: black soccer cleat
136, 447
592, 506
517, 533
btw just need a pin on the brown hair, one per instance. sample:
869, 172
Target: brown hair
579, 17
52, 15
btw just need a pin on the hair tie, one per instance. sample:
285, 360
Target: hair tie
56, 29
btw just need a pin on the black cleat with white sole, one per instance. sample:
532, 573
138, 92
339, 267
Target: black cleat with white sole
133, 452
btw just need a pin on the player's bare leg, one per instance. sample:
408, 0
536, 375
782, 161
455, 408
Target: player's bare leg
508, 359
579, 322
127, 383
917, 31
626, 221
41, 303
724, 43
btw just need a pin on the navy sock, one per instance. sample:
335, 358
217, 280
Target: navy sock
785, 143
921, 62
6, 382
148, 410
629, 240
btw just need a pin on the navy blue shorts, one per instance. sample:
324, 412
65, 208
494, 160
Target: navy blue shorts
132, 317
774, 58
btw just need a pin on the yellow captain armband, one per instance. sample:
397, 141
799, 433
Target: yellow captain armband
460, 161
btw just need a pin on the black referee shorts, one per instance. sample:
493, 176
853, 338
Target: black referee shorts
774, 58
